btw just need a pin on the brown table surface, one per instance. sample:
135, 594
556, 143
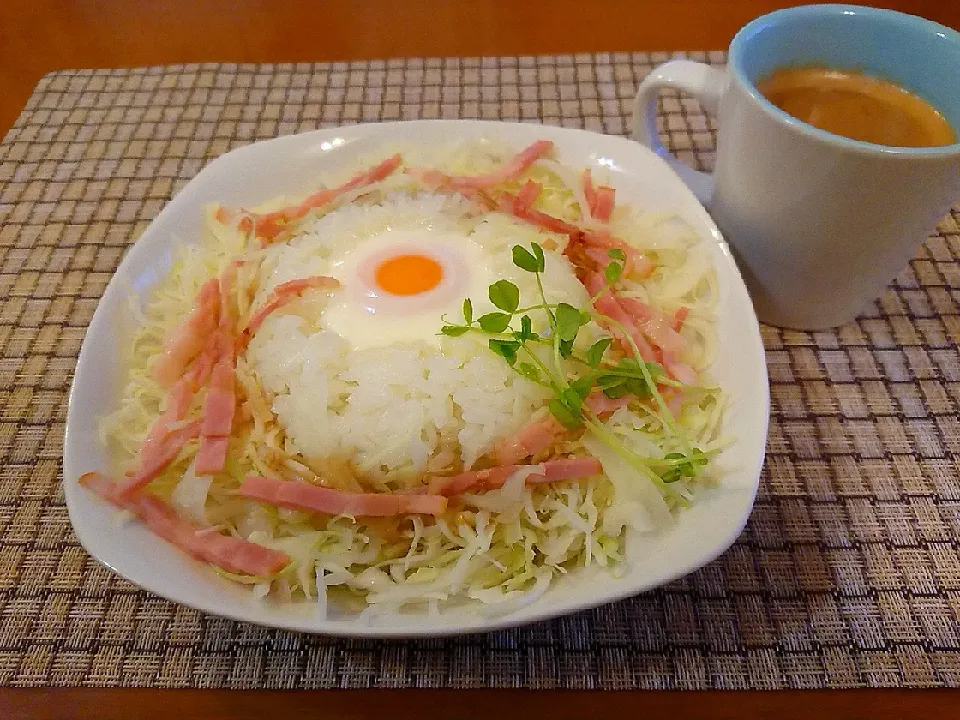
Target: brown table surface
38, 36
44, 35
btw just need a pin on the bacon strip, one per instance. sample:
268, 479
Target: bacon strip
510, 171
679, 317
678, 370
566, 469
457, 484
199, 373
606, 304
528, 194
654, 324
585, 248
600, 405
600, 257
220, 403
281, 295
304, 496
189, 338
603, 204
232, 554
538, 436
549, 471
175, 409
156, 454
600, 200
218, 410
529, 440
641, 322
589, 191
636, 264
212, 455
178, 399
514, 205
228, 309
206, 338
182, 391
152, 448
668, 342
215, 366
269, 225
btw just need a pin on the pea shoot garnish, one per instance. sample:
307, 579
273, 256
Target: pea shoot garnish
555, 360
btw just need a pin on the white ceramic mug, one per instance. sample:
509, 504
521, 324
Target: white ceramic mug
819, 223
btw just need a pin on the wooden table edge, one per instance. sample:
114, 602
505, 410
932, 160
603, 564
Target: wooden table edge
402, 704
39, 36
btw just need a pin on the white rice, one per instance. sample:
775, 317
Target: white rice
397, 409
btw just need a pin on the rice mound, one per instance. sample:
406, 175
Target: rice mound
400, 409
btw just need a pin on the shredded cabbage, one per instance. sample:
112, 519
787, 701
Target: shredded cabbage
502, 548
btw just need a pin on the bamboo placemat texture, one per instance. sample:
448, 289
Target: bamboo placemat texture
848, 573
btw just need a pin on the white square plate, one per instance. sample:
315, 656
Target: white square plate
252, 174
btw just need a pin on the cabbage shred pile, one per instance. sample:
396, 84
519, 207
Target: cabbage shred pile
500, 549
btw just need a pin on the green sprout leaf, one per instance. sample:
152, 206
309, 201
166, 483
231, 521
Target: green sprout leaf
581, 387
572, 399
613, 271
684, 465
569, 320
626, 377
454, 330
538, 252
494, 322
616, 392
562, 413
507, 349
505, 295
529, 371
595, 354
566, 406
617, 254
613, 386
631, 367
524, 259
467, 311
526, 330
610, 380
638, 387
566, 348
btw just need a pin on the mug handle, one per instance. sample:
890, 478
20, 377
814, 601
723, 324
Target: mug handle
707, 84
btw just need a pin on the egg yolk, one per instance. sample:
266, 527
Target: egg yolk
408, 274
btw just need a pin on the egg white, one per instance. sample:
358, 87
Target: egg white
350, 242
366, 316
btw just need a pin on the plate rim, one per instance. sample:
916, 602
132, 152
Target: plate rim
475, 623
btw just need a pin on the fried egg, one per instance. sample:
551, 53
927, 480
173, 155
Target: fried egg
398, 285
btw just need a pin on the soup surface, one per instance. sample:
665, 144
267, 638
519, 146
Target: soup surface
857, 106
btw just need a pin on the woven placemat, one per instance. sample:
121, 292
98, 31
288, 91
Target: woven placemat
848, 573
